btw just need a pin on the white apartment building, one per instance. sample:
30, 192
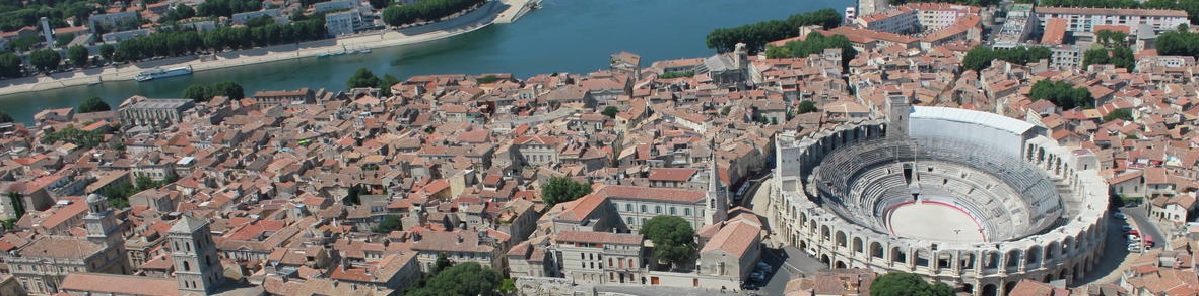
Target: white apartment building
936, 16
900, 20
342, 23
600, 257
1085, 19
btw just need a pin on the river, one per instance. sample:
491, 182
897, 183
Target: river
573, 36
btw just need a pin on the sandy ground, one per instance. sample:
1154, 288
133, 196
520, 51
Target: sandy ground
929, 220
509, 10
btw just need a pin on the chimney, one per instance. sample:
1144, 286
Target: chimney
459, 238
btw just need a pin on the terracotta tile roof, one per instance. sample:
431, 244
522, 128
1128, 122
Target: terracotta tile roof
120, 284
671, 174
599, 237
735, 238
654, 194
60, 247
1055, 31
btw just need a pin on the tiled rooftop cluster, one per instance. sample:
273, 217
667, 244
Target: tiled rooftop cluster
459, 160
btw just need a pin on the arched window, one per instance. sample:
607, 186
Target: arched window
187, 266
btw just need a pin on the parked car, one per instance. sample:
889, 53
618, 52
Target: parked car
1126, 228
1134, 248
1134, 232
1121, 216
757, 276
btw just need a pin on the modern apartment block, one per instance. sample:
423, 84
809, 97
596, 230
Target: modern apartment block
1085, 19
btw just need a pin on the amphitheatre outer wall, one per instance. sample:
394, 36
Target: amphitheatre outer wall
1067, 242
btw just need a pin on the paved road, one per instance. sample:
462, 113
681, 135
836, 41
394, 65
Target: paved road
1139, 215
788, 263
659, 291
1114, 259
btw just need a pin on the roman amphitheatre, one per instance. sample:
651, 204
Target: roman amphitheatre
970, 198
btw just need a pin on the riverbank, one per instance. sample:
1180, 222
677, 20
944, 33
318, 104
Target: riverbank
466, 23
516, 9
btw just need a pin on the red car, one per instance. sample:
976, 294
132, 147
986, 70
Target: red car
1134, 232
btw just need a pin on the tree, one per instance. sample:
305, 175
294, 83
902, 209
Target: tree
379, 4
563, 189
18, 206
204, 92
78, 55
756, 35
10, 65
610, 111
93, 104
507, 286
907, 284
227, 88
389, 224
45, 59
353, 197
673, 237
1124, 114
386, 82
107, 50
196, 92
4, 117
118, 196
362, 78
426, 10
1061, 93
84, 139
814, 43
469, 278
980, 57
442, 263
807, 106
143, 182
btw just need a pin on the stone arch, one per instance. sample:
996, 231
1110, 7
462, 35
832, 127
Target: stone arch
1033, 255
1078, 272
990, 290
898, 255
968, 288
857, 245
824, 259
1013, 258
812, 227
1048, 277
1008, 287
1063, 274
876, 250
923, 257
966, 260
840, 264
841, 243
991, 259
803, 244
1051, 251
825, 234
1069, 245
